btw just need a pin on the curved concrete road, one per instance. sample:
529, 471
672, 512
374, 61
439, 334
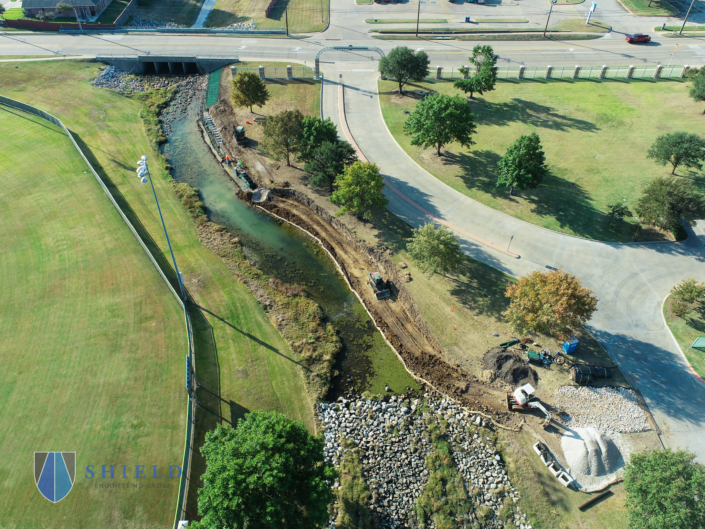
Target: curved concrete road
630, 280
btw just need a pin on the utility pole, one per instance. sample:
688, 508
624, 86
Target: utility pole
418, 14
686, 17
549, 16
76, 15
286, 15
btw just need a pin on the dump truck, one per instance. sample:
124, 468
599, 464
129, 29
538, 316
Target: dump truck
379, 286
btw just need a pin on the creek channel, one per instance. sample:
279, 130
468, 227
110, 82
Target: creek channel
366, 362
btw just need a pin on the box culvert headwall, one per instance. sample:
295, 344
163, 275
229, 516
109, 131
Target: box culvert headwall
166, 64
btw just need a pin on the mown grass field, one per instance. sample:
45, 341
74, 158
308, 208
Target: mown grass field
93, 341
305, 16
686, 330
595, 136
236, 342
114, 10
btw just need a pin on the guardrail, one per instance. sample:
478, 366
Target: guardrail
575, 72
190, 364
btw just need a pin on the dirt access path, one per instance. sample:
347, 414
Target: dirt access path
399, 328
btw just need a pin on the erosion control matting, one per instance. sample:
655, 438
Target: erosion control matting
510, 367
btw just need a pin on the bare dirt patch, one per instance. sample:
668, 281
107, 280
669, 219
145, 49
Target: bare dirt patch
510, 367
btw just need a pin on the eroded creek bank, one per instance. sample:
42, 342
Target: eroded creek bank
365, 362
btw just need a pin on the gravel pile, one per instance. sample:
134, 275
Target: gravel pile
121, 81
250, 24
393, 451
607, 409
145, 23
190, 88
591, 452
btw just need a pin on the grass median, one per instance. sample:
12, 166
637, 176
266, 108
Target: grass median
305, 16
686, 330
246, 360
406, 21
595, 135
651, 8
182, 12
93, 341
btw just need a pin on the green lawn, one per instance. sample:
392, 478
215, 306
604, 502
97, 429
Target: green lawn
305, 16
595, 135
14, 13
570, 25
686, 330
114, 9
501, 20
659, 8
235, 339
677, 28
93, 341
179, 11
578, 25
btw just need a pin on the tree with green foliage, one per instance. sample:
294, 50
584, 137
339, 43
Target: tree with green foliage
697, 91
485, 76
403, 65
666, 201
2, 11
665, 490
616, 213
359, 190
328, 161
268, 472
281, 134
315, 132
440, 119
248, 90
689, 291
678, 148
554, 303
435, 249
62, 8
523, 165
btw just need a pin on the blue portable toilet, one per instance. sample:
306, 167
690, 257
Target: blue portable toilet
570, 345
467, 19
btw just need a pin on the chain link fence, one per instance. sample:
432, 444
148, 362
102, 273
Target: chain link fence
568, 72
280, 72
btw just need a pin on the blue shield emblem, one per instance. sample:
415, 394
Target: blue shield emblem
54, 474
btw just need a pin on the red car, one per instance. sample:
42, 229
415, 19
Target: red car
637, 37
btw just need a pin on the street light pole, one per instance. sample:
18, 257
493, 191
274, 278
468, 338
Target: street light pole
672, 55
686, 17
143, 173
549, 16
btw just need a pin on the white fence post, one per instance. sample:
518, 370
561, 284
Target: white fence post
630, 71
576, 72
521, 72
549, 69
684, 71
657, 71
603, 71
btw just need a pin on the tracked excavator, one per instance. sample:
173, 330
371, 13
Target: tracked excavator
525, 397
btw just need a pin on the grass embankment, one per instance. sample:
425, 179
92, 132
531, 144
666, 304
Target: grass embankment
686, 330
305, 16
613, 122
547, 503
678, 28
578, 25
647, 8
93, 341
406, 21
13, 14
481, 20
114, 10
241, 357
178, 11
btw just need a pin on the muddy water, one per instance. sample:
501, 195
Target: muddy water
366, 363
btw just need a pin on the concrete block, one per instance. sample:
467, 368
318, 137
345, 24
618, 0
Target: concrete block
289, 72
684, 71
657, 72
576, 72
549, 71
603, 71
521, 72
261, 72
630, 71
439, 72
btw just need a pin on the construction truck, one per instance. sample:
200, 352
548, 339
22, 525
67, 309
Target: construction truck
525, 397
379, 286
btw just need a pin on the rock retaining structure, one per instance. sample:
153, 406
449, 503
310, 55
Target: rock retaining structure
393, 443
116, 79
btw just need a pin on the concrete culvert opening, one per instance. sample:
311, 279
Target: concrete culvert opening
510, 367
591, 452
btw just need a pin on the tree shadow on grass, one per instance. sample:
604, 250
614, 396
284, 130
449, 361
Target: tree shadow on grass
480, 288
534, 114
566, 202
